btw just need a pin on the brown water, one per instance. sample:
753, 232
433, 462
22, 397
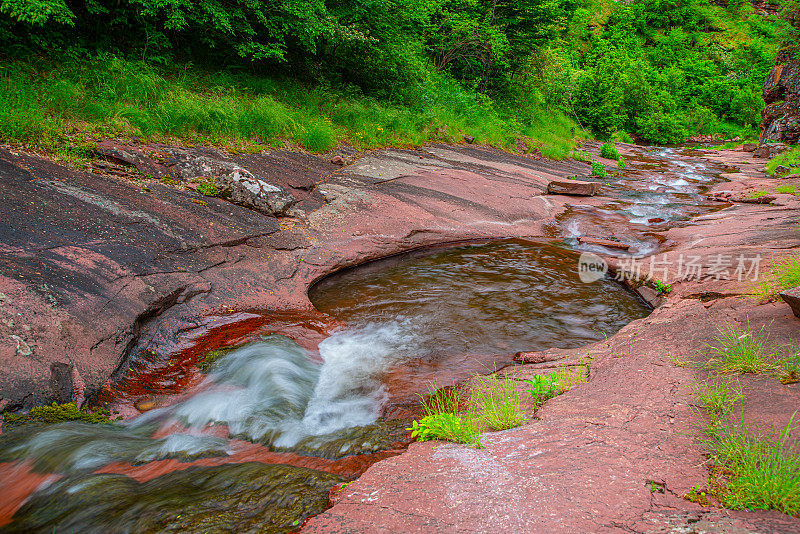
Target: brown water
492, 298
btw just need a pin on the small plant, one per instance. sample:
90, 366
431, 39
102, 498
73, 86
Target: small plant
735, 351
697, 495
787, 368
443, 419
758, 194
663, 288
655, 487
609, 151
598, 169
718, 395
56, 413
498, 403
544, 387
621, 162
208, 189
581, 155
786, 189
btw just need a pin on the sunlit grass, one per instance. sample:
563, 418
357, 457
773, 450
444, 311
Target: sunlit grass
739, 351
54, 105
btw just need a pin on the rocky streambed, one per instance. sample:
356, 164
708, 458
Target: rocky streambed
118, 288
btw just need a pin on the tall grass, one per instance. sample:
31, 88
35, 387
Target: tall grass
781, 275
739, 351
754, 470
496, 403
49, 105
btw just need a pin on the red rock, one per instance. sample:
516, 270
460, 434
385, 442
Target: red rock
655, 220
573, 187
338, 160
603, 242
792, 298
749, 147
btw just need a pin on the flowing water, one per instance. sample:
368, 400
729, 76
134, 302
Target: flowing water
255, 443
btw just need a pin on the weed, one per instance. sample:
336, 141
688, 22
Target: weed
758, 194
698, 495
208, 189
735, 351
621, 162
581, 155
787, 368
786, 189
655, 487
546, 387
718, 395
598, 169
663, 288
497, 404
781, 275
609, 151
444, 419
755, 471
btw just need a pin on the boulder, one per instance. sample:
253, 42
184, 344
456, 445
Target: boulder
769, 150
749, 147
337, 160
780, 170
792, 298
573, 187
244, 189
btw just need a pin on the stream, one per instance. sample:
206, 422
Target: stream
256, 442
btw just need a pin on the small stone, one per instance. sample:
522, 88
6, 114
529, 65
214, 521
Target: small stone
792, 298
23, 349
649, 294
145, 404
573, 187
469, 139
337, 160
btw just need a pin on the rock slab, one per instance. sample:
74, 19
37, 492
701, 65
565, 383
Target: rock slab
792, 298
573, 187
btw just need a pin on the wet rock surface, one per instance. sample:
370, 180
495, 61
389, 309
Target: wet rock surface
249, 497
122, 283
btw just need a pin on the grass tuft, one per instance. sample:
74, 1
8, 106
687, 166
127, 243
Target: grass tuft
496, 403
781, 275
739, 351
755, 471
718, 395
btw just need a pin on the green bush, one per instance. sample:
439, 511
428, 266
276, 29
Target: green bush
208, 189
609, 151
598, 169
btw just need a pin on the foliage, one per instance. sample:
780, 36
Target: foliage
609, 151
621, 162
739, 351
781, 275
56, 413
496, 403
444, 419
718, 395
598, 169
758, 194
755, 471
208, 189
546, 387
786, 189
789, 158
663, 288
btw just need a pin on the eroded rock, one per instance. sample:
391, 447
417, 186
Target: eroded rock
792, 298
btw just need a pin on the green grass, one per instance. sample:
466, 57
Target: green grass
446, 419
786, 189
718, 395
786, 159
753, 470
758, 194
64, 107
739, 351
781, 275
544, 387
496, 403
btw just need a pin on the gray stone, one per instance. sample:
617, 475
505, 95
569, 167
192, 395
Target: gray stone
769, 150
792, 298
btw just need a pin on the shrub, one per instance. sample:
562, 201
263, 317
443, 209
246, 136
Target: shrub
609, 151
598, 169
